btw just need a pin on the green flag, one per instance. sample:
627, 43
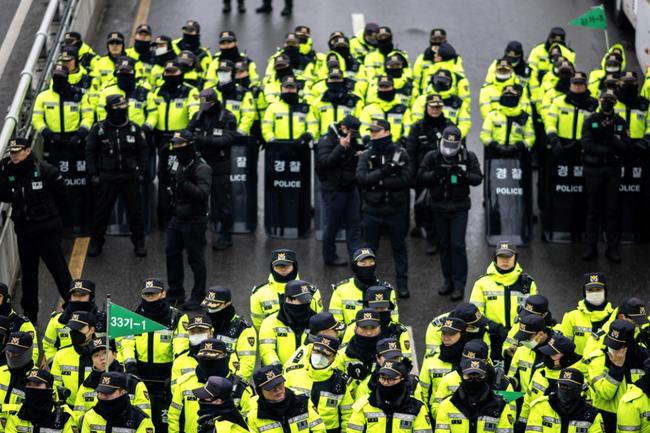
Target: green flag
593, 19
509, 395
125, 322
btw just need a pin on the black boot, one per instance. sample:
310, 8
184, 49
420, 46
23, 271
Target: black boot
288, 8
226, 7
457, 295
95, 248
612, 254
445, 290
139, 249
264, 9
241, 7
590, 252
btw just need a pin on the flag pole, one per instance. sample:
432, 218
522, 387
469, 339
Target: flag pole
108, 328
606, 39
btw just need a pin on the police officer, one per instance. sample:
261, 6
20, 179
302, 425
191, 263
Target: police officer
239, 100
277, 408
267, 7
605, 143
5, 323
300, 61
322, 380
231, 328
73, 363
192, 72
191, 41
116, 155
639, 124
13, 375
217, 411
533, 334
17, 322
388, 106
86, 53
501, 292
81, 297
539, 57
290, 118
190, 191
347, 295
114, 409
214, 129
213, 360
474, 403
364, 41
611, 369
359, 356
265, 298
177, 102
564, 406
591, 313
336, 100
634, 404
142, 49
383, 175
448, 172
536, 305
229, 50
35, 189
163, 53
105, 360
198, 330
39, 409
77, 74
424, 137
104, 66
283, 332
336, 163
375, 60
389, 402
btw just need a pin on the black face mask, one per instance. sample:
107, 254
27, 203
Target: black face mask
142, 47
607, 106
298, 313
289, 98
126, 82
77, 338
394, 72
5, 308
336, 90
452, 353
222, 318
283, 72
474, 388
578, 98
366, 346
386, 95
367, 275
192, 41
59, 83
113, 409
628, 92
343, 51
214, 367
185, 154
244, 82
38, 404
117, 116
155, 310
172, 81
513, 60
230, 54
568, 397
390, 395
381, 144
509, 100
283, 279
441, 85
384, 319
385, 46
208, 410
293, 53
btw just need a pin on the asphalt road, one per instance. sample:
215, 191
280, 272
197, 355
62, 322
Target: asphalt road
479, 31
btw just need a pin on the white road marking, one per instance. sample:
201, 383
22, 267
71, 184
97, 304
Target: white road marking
358, 23
416, 367
13, 32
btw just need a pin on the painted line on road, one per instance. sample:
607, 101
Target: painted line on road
414, 359
141, 17
13, 33
358, 23
78, 257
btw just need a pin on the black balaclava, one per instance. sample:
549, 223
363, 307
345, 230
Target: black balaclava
126, 82
114, 410
212, 367
291, 276
390, 397
185, 154
117, 116
366, 275
291, 98
38, 406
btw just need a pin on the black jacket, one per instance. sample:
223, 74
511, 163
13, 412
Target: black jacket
424, 137
449, 180
116, 152
384, 192
215, 132
34, 190
191, 189
605, 140
336, 166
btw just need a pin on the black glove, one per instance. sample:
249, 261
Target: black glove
508, 150
82, 133
493, 146
501, 331
131, 367
94, 180
47, 134
74, 141
521, 146
306, 137
439, 175
553, 139
458, 171
358, 371
57, 140
365, 141
389, 168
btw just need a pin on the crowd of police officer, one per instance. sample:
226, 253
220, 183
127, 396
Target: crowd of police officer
500, 362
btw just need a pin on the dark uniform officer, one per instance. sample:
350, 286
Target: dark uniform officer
605, 142
217, 411
214, 129
35, 190
116, 155
383, 174
336, 164
191, 181
449, 171
424, 137
114, 411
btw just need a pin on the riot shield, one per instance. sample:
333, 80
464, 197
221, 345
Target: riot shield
287, 189
243, 180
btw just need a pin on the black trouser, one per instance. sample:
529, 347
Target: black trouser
287, 3
107, 193
221, 205
161, 140
396, 225
30, 250
609, 421
602, 186
451, 228
423, 216
189, 236
341, 210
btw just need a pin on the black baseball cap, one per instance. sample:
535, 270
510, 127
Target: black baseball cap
283, 257
115, 37
634, 308
621, 333
384, 32
379, 125
529, 324
367, 317
152, 285
578, 78
394, 369
19, 341
453, 325
124, 67
595, 280
111, 381
227, 36
79, 319
434, 100
192, 26
505, 248
215, 387
289, 81
212, 348
41, 376
451, 134
470, 314
299, 289
371, 28
116, 101
326, 345
476, 348
200, 320
377, 297
389, 348
351, 122
19, 143
4, 290
558, 344
282, 61
69, 52
172, 66
99, 343
385, 81
473, 366
216, 296
608, 94
571, 377
181, 137
144, 28
535, 304
268, 377
324, 321
363, 253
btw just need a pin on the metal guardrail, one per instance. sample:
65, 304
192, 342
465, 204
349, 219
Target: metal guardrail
60, 16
